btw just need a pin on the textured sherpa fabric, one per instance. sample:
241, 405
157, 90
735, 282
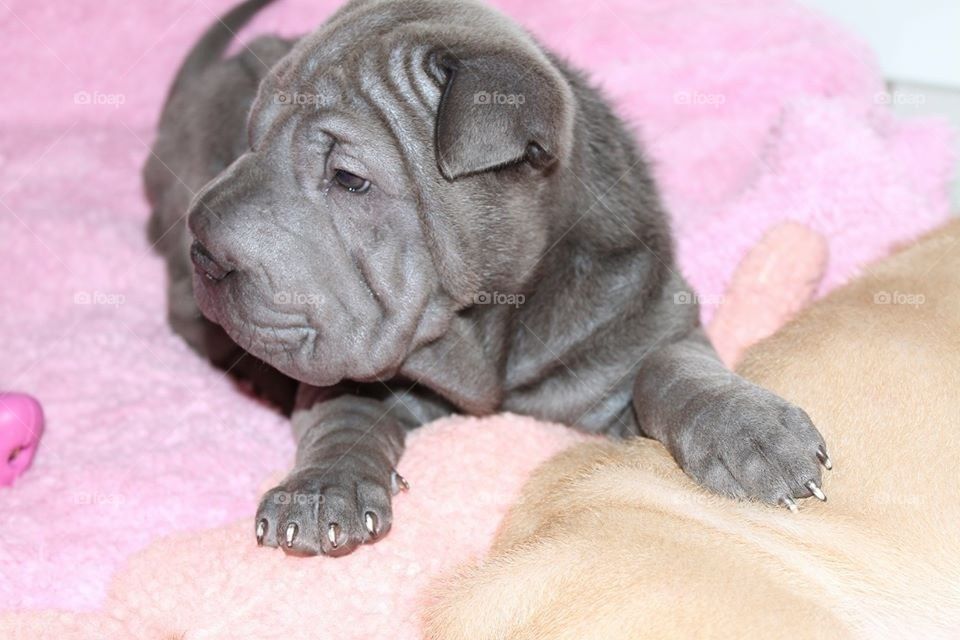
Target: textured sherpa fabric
754, 113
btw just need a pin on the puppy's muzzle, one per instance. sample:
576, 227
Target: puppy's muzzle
206, 264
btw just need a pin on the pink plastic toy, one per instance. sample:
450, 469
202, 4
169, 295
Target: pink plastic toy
21, 423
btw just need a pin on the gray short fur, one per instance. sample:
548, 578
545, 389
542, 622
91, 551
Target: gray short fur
510, 254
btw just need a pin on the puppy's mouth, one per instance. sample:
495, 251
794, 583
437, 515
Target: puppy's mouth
206, 265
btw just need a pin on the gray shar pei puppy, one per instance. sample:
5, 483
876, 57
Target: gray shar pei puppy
414, 211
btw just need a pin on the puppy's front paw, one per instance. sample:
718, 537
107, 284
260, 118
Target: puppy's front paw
331, 512
747, 442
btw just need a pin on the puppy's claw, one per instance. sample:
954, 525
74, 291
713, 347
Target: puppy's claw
398, 484
372, 523
789, 504
332, 532
261, 532
824, 459
291, 533
815, 490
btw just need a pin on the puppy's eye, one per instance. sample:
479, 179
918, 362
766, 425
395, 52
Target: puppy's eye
351, 182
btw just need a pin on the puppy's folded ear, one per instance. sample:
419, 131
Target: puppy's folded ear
500, 108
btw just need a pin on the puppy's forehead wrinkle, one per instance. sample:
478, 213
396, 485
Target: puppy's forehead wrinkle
273, 126
393, 98
402, 131
355, 26
422, 85
403, 95
406, 77
401, 24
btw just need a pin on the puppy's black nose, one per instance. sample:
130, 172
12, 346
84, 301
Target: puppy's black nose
206, 264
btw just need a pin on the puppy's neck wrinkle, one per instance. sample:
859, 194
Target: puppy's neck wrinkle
570, 309
607, 259
458, 367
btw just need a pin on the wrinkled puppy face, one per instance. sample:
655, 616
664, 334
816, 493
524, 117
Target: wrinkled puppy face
379, 195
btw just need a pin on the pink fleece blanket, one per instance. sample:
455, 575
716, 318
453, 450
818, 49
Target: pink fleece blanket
754, 113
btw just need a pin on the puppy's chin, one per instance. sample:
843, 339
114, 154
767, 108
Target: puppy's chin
304, 356
319, 356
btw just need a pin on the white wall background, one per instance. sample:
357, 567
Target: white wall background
917, 41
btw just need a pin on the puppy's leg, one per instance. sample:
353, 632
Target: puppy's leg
727, 433
338, 495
